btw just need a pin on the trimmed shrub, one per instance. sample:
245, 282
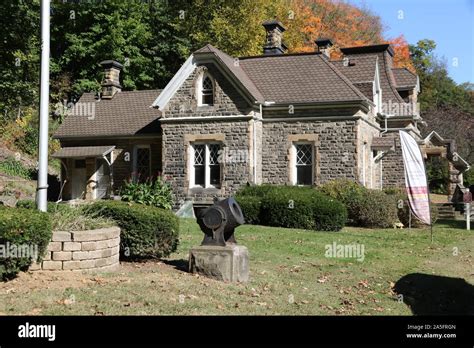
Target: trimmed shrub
147, 232
250, 206
291, 207
375, 209
365, 207
52, 206
329, 215
287, 207
23, 229
347, 192
257, 190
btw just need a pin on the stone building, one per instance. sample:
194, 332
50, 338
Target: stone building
223, 122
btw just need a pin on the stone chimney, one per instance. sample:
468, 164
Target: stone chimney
324, 45
274, 39
111, 82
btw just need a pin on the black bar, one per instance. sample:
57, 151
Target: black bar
172, 330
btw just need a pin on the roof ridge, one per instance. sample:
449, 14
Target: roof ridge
217, 53
345, 79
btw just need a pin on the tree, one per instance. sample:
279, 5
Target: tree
438, 89
19, 56
140, 35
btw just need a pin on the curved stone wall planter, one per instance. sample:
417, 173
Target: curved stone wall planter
92, 250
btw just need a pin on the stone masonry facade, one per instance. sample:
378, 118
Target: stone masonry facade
337, 142
233, 136
335, 148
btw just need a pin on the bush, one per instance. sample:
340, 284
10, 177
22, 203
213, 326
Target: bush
52, 206
250, 206
296, 207
365, 207
291, 207
287, 207
25, 228
65, 217
347, 192
157, 193
147, 232
403, 213
376, 209
257, 190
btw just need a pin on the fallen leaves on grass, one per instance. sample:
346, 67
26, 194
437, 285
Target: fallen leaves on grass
323, 279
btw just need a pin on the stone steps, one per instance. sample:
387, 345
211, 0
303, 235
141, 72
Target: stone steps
446, 211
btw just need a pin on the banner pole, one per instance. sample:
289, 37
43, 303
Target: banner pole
409, 218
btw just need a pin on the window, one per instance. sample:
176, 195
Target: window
206, 90
199, 165
304, 164
141, 163
206, 169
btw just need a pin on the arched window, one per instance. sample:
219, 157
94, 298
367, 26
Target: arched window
207, 90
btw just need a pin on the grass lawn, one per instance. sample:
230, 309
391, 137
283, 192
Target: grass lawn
289, 275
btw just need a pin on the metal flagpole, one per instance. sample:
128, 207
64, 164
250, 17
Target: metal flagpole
42, 188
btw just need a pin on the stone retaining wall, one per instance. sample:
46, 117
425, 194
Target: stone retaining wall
94, 250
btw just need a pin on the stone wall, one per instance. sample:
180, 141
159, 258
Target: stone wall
393, 174
94, 250
227, 100
234, 136
368, 169
335, 150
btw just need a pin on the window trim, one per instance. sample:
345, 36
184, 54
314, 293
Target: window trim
200, 96
294, 166
207, 167
135, 157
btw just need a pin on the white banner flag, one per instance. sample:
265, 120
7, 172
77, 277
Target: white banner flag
415, 178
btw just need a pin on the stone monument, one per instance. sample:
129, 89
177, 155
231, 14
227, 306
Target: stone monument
219, 256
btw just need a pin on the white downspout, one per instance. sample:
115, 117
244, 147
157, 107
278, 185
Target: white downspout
254, 134
363, 162
381, 173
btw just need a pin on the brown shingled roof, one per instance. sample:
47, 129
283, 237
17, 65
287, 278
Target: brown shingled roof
234, 68
385, 54
299, 78
360, 69
83, 151
404, 77
127, 113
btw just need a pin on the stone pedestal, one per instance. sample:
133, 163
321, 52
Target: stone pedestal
227, 263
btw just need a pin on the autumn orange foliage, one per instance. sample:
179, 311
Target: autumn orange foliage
345, 24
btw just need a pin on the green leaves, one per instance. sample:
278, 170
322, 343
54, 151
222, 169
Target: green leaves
156, 193
146, 232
